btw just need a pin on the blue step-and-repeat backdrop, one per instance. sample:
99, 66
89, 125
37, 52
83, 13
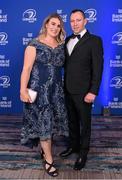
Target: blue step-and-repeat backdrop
20, 21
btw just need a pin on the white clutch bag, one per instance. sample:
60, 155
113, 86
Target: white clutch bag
32, 94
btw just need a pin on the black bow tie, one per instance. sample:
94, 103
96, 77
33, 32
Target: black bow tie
75, 35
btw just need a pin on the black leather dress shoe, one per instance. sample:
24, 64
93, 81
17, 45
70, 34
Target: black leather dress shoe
67, 152
80, 163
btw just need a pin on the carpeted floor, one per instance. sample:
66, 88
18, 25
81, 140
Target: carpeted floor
105, 150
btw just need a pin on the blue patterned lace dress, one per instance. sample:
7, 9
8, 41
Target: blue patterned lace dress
47, 115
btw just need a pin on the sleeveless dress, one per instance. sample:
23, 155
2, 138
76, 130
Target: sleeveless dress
47, 115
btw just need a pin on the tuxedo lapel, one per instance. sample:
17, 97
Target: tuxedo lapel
80, 42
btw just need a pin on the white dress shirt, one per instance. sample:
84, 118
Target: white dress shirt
72, 42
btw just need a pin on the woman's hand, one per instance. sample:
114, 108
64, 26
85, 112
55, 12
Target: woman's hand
24, 96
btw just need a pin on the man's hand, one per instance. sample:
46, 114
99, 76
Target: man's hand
89, 98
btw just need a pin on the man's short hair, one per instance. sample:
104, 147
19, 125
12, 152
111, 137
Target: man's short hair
78, 10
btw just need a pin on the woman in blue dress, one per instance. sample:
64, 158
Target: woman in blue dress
42, 72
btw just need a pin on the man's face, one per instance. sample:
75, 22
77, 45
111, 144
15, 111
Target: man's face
77, 22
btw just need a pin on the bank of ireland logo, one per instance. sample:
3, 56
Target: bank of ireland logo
4, 81
91, 15
29, 15
117, 38
3, 38
3, 17
63, 16
116, 82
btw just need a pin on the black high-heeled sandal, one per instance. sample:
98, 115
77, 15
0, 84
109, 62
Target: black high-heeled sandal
51, 173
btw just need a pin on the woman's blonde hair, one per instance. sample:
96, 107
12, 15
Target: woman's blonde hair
61, 36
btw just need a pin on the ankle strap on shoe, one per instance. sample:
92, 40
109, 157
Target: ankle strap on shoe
49, 163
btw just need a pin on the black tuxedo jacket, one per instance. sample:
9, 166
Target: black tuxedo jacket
83, 68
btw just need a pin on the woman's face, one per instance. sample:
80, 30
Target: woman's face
53, 27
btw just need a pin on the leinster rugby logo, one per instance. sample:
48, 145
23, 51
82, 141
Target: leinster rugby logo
29, 15
4, 81
91, 15
3, 38
117, 38
116, 82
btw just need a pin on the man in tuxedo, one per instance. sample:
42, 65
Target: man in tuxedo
83, 72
